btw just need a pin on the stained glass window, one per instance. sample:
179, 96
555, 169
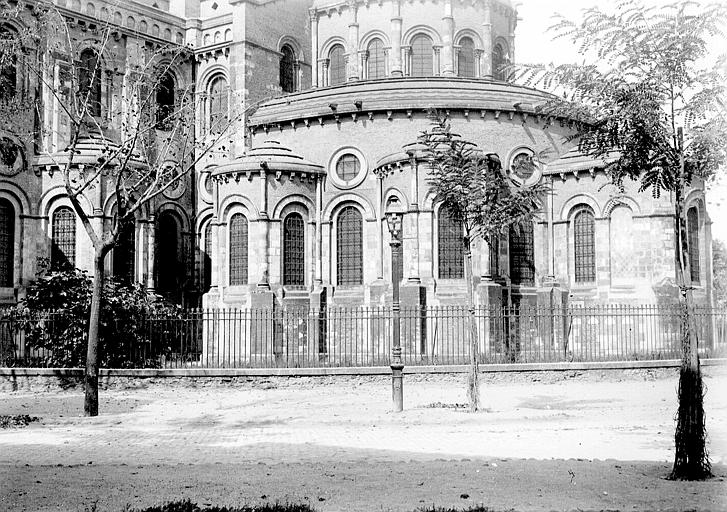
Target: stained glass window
375, 62
693, 243
466, 57
348, 167
451, 250
165, 101
125, 253
337, 65
422, 56
522, 255
89, 80
584, 244
287, 69
7, 242
218, 102
63, 239
349, 244
207, 258
238, 250
294, 250
167, 264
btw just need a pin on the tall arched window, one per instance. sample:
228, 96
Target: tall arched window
375, 61
449, 242
522, 255
337, 65
7, 243
422, 56
693, 243
63, 239
287, 69
294, 250
124, 256
165, 100
167, 260
584, 245
238, 250
89, 81
494, 248
8, 69
218, 104
207, 258
499, 59
349, 246
466, 57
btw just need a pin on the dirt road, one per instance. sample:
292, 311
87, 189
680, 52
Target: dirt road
545, 442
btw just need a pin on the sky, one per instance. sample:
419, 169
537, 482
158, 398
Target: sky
534, 44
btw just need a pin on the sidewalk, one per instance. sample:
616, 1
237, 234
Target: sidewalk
573, 443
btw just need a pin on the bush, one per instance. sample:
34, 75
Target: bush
54, 317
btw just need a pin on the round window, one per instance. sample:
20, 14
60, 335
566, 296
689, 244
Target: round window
348, 167
523, 166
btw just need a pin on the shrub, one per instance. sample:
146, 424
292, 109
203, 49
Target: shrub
54, 317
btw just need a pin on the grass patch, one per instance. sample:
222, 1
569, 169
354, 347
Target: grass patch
188, 506
442, 405
17, 420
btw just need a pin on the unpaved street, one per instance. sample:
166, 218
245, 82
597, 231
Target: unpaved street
601, 440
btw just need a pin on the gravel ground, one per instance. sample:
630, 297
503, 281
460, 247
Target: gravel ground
549, 441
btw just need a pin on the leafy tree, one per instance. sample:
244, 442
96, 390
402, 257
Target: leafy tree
136, 161
473, 187
652, 107
55, 312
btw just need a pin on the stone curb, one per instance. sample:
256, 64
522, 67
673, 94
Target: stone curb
376, 370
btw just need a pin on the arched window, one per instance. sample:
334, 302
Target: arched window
89, 81
375, 61
218, 105
422, 56
167, 261
63, 239
287, 69
522, 255
466, 57
693, 243
7, 243
125, 253
494, 248
584, 245
337, 65
449, 242
165, 100
9, 68
238, 250
294, 250
499, 59
349, 246
207, 258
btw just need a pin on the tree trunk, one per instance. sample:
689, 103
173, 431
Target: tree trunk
473, 386
691, 461
90, 406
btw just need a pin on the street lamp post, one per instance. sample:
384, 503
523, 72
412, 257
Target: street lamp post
394, 220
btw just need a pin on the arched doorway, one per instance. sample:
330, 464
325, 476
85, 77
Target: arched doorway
167, 256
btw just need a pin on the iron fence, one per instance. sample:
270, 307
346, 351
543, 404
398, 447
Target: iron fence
362, 336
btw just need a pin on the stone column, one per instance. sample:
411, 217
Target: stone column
352, 69
437, 60
395, 35
314, 46
264, 281
448, 40
323, 64
405, 51
363, 64
479, 57
319, 232
150, 241
486, 65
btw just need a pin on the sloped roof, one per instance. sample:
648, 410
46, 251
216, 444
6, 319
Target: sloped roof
270, 155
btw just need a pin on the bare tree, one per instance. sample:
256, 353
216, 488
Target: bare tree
136, 150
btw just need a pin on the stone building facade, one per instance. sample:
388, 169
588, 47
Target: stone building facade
292, 209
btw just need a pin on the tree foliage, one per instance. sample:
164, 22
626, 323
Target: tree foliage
55, 313
651, 105
719, 271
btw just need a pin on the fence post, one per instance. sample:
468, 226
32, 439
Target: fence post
552, 306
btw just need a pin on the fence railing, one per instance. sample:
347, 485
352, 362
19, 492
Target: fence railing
362, 336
